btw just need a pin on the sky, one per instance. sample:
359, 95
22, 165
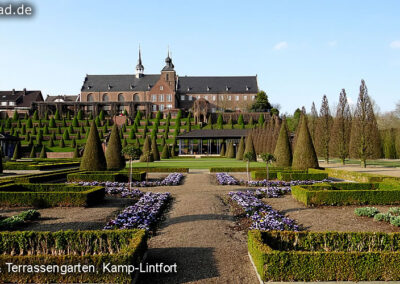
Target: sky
299, 50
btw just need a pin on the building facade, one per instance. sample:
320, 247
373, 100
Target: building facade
168, 92
21, 101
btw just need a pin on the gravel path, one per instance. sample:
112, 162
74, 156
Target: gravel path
198, 235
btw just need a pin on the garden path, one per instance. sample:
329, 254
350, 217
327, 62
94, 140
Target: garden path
198, 235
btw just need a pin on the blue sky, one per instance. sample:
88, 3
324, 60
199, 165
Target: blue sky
299, 50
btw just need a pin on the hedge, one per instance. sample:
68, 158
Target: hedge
233, 169
287, 176
159, 170
347, 194
105, 176
37, 166
261, 174
39, 177
355, 176
325, 256
69, 248
50, 195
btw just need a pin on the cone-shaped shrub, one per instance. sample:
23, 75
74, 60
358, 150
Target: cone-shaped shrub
52, 123
114, 157
227, 149
59, 130
43, 153
82, 129
102, 116
17, 151
250, 148
93, 156
46, 130
23, 131
71, 129
53, 135
51, 142
101, 136
87, 123
15, 116
39, 138
73, 144
33, 152
165, 152
132, 133
62, 143
222, 152
231, 151
64, 122
28, 136
78, 136
137, 142
283, 153
1, 160
66, 134
76, 152
29, 124
35, 115
147, 155
124, 143
154, 150
240, 150
304, 155
162, 142
46, 116
173, 150
34, 131
80, 114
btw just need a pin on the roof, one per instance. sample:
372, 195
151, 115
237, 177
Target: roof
214, 133
22, 98
64, 98
119, 83
231, 84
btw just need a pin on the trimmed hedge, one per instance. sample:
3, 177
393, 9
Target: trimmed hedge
38, 166
347, 194
287, 176
70, 248
325, 256
159, 170
50, 195
355, 176
105, 176
261, 174
238, 169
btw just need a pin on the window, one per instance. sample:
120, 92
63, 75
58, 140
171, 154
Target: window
161, 88
121, 98
90, 98
221, 98
136, 98
229, 98
190, 97
153, 98
154, 107
169, 106
161, 98
3, 103
161, 107
169, 98
198, 97
213, 110
214, 98
105, 98
237, 98
182, 97
253, 97
206, 97
12, 103
245, 98
166, 77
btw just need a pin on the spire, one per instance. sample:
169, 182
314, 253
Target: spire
139, 66
168, 63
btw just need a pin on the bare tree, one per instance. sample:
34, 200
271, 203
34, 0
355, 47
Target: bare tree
324, 126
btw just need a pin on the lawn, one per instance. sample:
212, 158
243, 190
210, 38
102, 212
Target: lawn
199, 163
378, 162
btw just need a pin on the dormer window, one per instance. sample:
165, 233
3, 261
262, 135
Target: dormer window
188, 89
161, 88
247, 88
88, 87
131, 87
208, 88
227, 88
148, 87
109, 86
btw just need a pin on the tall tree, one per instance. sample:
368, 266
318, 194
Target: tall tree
340, 135
93, 156
250, 149
283, 151
324, 126
364, 139
240, 150
114, 158
261, 103
312, 121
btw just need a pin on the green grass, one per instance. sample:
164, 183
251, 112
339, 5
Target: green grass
378, 162
199, 163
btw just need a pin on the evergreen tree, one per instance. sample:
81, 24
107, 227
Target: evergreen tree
76, 152
115, 159
230, 123
19, 125
62, 143
231, 151
53, 136
51, 142
312, 121
93, 156
340, 135
35, 115
15, 116
283, 151
43, 153
34, 131
304, 155
33, 152
251, 121
137, 143
46, 130
64, 122
23, 131
46, 116
98, 121
154, 150
240, 150
17, 151
124, 143
220, 122
80, 115
173, 149
71, 129
261, 103
66, 135
240, 120
68, 116
73, 144
52, 123
250, 148
39, 138
165, 152
364, 140
78, 136
222, 151
29, 123
261, 120
75, 122
146, 156
324, 126
102, 115
57, 115
162, 142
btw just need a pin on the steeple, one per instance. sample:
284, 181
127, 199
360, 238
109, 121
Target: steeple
168, 63
139, 66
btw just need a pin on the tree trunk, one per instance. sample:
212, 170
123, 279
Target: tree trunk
363, 163
267, 172
248, 176
130, 177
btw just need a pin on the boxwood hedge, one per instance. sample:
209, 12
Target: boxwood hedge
64, 249
355, 176
105, 176
325, 256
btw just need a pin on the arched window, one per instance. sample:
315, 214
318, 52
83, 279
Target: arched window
105, 98
136, 98
90, 98
121, 98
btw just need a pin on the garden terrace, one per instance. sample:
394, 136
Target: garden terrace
50, 195
326, 256
63, 248
347, 193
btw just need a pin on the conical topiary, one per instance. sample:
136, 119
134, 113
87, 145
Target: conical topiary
304, 155
62, 143
1, 160
43, 153
154, 150
17, 151
165, 152
222, 152
76, 152
73, 144
231, 151
51, 142
146, 156
93, 156
124, 143
283, 152
114, 158
33, 153
240, 150
250, 148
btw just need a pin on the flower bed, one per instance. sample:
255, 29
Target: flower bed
63, 249
143, 214
392, 216
325, 256
226, 179
262, 215
19, 220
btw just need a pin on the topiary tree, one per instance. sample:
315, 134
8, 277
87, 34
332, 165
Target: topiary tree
114, 157
231, 151
146, 150
39, 138
34, 131
73, 144
68, 116
1, 161
57, 115
240, 150
43, 153
15, 116
93, 156
29, 124
283, 151
124, 143
250, 148
17, 151
51, 142
154, 150
102, 115
165, 154
45, 130
66, 134
132, 133
75, 122
261, 120
222, 152
267, 158
33, 152
52, 123
80, 115
35, 115
62, 143
64, 122
304, 156
76, 152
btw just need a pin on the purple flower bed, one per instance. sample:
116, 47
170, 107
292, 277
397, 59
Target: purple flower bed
226, 179
143, 214
273, 191
262, 215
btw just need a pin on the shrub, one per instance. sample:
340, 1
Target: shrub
283, 152
240, 150
383, 217
395, 211
154, 150
165, 152
250, 148
114, 158
43, 152
106, 176
366, 211
395, 221
93, 156
19, 220
288, 176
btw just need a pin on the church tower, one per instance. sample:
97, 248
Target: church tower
168, 73
139, 66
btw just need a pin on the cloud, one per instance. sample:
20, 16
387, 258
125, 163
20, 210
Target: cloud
395, 44
332, 43
281, 45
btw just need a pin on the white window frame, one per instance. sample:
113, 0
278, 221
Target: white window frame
161, 88
206, 97
229, 98
245, 98
214, 98
12, 103
162, 107
161, 97
253, 98
221, 98
169, 98
182, 97
169, 106
154, 107
198, 97
4, 103
237, 98
153, 98
190, 97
